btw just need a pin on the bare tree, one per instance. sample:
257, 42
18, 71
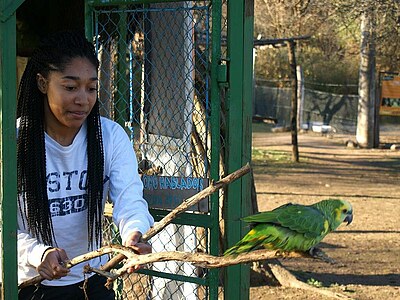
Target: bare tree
339, 51
367, 77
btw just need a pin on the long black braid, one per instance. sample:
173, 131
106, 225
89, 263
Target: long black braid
53, 54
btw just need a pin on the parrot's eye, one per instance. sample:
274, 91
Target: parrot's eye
344, 210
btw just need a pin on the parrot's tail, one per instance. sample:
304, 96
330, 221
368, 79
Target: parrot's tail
232, 251
241, 247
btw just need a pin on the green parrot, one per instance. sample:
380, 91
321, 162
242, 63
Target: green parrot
293, 227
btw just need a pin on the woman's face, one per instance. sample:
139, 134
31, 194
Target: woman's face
71, 95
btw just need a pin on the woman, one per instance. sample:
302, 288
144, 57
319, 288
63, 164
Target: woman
69, 161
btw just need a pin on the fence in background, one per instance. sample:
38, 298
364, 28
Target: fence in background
338, 111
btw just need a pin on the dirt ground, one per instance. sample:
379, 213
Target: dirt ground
368, 250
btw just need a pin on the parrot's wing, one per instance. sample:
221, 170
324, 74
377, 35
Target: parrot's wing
299, 218
267, 216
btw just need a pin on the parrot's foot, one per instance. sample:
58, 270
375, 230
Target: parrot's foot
319, 254
292, 254
285, 254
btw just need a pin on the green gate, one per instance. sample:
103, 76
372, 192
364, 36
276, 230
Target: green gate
165, 76
178, 76
155, 81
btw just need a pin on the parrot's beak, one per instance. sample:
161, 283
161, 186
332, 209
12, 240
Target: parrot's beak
348, 219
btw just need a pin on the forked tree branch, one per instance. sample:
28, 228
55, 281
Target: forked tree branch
197, 259
125, 252
212, 188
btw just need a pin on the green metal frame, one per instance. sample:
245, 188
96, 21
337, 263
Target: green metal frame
215, 138
122, 109
238, 149
210, 221
238, 82
8, 160
125, 2
238, 144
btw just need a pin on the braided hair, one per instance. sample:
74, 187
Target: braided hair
53, 54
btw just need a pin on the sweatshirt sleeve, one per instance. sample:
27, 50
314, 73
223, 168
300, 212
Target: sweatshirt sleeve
30, 250
130, 211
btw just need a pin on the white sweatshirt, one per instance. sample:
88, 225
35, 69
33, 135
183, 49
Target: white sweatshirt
66, 177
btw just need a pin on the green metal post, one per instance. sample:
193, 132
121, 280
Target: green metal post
122, 96
238, 150
248, 89
215, 140
88, 20
8, 191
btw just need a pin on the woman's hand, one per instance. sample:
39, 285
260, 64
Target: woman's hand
52, 266
135, 242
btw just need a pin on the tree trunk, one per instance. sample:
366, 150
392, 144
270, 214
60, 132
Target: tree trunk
366, 86
293, 115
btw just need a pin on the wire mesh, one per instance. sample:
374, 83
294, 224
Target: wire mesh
154, 79
337, 111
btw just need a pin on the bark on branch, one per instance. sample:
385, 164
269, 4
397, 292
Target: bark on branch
198, 259
287, 279
212, 188
125, 252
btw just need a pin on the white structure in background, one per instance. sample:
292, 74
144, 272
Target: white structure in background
300, 96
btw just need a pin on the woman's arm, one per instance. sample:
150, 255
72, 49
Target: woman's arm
130, 212
48, 261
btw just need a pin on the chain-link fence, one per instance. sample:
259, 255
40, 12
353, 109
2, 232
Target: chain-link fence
154, 78
337, 111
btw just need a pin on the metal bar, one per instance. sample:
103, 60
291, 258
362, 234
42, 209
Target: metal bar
127, 2
144, 9
8, 9
183, 278
122, 76
280, 41
215, 139
184, 218
240, 18
8, 160
88, 20
248, 91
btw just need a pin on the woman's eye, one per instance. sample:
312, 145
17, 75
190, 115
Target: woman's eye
69, 88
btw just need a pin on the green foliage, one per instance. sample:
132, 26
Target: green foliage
321, 71
332, 55
265, 155
318, 67
272, 64
315, 283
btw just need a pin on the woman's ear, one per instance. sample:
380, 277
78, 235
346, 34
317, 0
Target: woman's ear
41, 83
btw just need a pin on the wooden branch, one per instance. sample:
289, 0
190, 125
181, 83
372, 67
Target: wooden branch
287, 279
125, 252
208, 261
194, 200
197, 259
280, 41
82, 258
88, 269
213, 187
